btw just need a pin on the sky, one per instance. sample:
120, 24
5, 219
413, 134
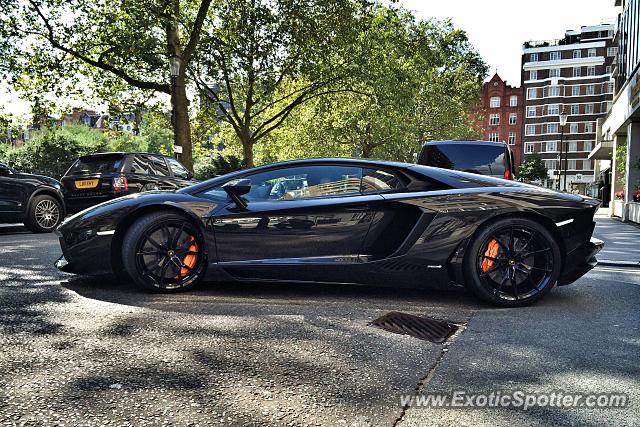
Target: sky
497, 28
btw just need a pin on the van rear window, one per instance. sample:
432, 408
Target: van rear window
96, 164
481, 159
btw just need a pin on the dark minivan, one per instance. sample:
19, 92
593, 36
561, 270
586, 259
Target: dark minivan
481, 157
96, 178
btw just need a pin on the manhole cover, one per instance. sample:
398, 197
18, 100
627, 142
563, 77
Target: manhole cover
419, 327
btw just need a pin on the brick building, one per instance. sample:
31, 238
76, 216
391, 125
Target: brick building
502, 114
572, 74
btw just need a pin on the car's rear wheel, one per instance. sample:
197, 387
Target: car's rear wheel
44, 215
164, 252
512, 262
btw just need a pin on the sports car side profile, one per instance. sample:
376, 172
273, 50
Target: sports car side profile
342, 221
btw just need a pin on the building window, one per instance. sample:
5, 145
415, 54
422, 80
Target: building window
610, 87
591, 71
553, 109
530, 130
494, 119
571, 165
532, 93
588, 127
493, 137
577, 53
572, 146
608, 69
575, 109
550, 164
551, 147
591, 90
554, 56
586, 165
554, 72
552, 128
612, 51
534, 57
533, 75
513, 101
575, 90
512, 118
529, 148
573, 128
512, 138
588, 109
531, 111
587, 146
576, 71
494, 102
591, 53
554, 91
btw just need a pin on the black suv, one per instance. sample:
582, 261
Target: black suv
96, 178
33, 199
481, 157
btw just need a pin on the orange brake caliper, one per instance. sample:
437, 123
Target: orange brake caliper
189, 259
492, 251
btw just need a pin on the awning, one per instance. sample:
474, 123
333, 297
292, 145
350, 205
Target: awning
602, 151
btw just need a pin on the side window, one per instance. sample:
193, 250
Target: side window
140, 165
178, 170
298, 183
378, 181
159, 166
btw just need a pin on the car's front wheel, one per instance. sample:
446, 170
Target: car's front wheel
512, 262
44, 215
164, 252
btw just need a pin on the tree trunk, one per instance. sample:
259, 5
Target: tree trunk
181, 125
247, 151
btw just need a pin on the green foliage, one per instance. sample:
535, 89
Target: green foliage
621, 163
532, 168
52, 150
208, 167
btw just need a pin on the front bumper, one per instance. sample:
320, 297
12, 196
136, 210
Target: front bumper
579, 261
90, 256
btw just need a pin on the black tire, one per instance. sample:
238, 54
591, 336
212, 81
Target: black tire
155, 253
517, 252
44, 214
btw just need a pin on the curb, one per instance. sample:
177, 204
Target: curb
612, 263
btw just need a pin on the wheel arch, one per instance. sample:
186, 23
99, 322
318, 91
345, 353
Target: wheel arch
455, 262
46, 191
127, 221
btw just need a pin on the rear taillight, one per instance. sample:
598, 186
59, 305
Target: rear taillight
120, 184
508, 174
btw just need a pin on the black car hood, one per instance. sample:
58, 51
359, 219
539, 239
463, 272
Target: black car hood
39, 178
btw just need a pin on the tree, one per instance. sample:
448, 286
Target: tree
264, 58
53, 43
533, 168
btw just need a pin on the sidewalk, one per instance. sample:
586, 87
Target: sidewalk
621, 241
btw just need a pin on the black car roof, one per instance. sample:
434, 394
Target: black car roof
465, 141
120, 153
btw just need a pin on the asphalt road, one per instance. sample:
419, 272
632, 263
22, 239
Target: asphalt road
91, 351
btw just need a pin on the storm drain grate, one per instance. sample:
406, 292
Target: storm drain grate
419, 327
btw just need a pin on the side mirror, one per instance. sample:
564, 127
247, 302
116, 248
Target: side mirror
236, 188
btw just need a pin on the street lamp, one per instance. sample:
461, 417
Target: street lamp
174, 70
563, 121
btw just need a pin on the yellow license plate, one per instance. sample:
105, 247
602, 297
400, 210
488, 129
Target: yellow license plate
87, 183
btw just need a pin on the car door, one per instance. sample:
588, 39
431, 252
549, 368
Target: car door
301, 214
12, 192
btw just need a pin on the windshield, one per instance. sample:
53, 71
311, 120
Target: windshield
481, 159
96, 164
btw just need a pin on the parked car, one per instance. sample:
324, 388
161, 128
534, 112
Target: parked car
35, 200
343, 221
482, 157
96, 178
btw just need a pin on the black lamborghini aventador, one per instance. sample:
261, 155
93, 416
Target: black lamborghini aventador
342, 221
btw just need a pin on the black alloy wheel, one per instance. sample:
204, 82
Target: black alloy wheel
164, 252
513, 262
